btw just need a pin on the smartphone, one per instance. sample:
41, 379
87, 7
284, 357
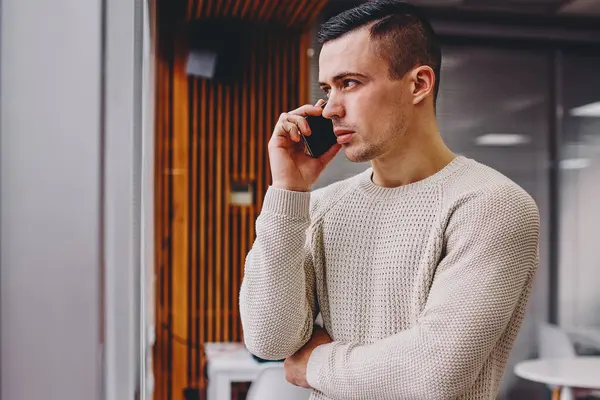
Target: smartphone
322, 137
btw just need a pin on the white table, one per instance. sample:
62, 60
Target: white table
228, 363
574, 372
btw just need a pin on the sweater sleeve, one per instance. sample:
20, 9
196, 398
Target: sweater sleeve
482, 282
277, 296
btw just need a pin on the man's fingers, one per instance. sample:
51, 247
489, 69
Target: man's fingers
293, 126
292, 130
307, 109
300, 123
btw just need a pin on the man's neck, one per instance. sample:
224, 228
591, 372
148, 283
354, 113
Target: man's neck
417, 160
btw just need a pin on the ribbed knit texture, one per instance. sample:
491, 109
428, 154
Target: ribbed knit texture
423, 287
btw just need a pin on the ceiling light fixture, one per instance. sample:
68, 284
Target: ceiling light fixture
502, 139
575, 163
589, 110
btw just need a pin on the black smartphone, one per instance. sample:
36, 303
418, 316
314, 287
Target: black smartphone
322, 137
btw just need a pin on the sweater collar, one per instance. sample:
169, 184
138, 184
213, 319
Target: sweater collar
372, 190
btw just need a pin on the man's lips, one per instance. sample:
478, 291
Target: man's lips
343, 135
339, 131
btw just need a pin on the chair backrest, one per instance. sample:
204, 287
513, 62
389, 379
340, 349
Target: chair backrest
272, 385
554, 342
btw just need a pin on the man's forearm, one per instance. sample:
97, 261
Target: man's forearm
276, 297
398, 367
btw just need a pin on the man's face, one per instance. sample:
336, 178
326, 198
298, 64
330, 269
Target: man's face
363, 99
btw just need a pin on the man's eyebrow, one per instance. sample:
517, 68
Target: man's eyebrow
343, 75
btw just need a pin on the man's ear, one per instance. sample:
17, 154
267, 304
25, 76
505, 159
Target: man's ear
423, 82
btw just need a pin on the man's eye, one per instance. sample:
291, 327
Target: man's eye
350, 83
326, 91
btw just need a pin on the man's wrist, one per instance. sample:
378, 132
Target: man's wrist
315, 362
290, 187
293, 204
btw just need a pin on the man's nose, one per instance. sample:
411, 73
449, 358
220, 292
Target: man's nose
333, 109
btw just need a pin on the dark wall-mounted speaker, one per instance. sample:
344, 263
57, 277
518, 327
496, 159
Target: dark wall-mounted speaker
215, 49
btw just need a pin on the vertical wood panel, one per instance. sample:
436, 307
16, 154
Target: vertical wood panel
207, 135
238, 99
293, 54
226, 232
236, 132
268, 127
160, 229
180, 219
169, 249
250, 141
303, 65
247, 117
193, 289
246, 131
202, 265
219, 214
235, 235
211, 212
255, 132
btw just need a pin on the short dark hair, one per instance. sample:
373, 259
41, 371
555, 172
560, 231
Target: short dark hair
407, 37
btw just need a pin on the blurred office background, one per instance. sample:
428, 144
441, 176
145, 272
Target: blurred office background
133, 165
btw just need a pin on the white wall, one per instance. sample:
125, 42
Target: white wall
50, 199
147, 275
70, 201
579, 267
122, 198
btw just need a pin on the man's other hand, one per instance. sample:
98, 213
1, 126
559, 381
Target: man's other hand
295, 366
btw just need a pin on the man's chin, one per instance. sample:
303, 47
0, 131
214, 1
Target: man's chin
356, 155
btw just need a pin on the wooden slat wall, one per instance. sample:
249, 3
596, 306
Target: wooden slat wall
208, 134
289, 13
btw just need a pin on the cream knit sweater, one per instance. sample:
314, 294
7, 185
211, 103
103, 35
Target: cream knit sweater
422, 287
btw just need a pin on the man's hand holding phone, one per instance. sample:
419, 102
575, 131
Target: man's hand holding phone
291, 167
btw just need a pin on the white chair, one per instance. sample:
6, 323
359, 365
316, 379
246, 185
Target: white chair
272, 385
556, 343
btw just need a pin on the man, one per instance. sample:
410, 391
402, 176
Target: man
421, 266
